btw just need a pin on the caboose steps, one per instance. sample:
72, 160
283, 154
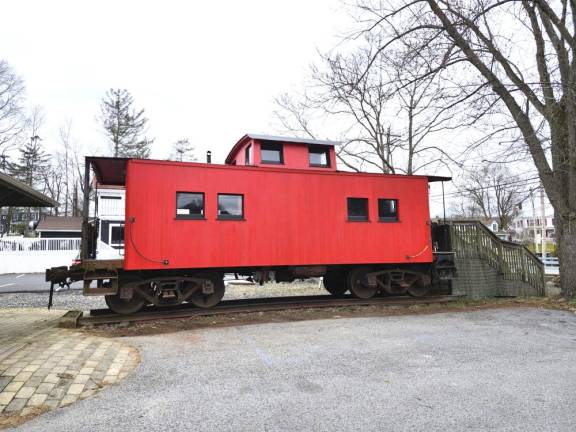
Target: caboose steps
488, 266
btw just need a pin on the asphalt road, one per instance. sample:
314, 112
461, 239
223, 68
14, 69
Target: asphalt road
499, 370
27, 282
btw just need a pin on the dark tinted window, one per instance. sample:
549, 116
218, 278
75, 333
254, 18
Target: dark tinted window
189, 205
271, 152
387, 209
117, 236
358, 209
248, 155
319, 156
230, 206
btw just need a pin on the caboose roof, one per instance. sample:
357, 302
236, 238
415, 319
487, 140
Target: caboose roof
289, 139
112, 171
260, 137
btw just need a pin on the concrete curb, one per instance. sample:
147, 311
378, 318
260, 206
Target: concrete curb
70, 319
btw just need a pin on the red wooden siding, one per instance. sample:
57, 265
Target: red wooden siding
292, 217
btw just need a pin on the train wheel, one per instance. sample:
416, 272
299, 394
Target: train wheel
204, 299
419, 288
335, 283
359, 285
124, 306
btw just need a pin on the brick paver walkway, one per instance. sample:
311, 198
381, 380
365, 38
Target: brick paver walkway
43, 366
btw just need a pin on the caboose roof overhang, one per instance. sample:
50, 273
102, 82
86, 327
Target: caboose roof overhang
260, 137
108, 170
432, 179
111, 171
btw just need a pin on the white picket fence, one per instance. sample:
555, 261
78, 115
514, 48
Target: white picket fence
21, 244
35, 255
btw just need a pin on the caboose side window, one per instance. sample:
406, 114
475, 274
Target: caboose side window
271, 153
357, 209
248, 155
387, 210
319, 156
189, 205
230, 206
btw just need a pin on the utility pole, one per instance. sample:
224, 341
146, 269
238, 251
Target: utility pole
543, 216
75, 201
534, 220
66, 177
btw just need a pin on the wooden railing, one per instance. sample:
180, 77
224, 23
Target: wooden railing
472, 239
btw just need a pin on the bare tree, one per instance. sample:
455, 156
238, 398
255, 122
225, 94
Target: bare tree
524, 51
65, 162
492, 191
427, 109
295, 115
77, 164
12, 113
362, 99
462, 207
388, 119
54, 177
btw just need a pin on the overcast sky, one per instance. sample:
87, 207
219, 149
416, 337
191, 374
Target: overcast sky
207, 71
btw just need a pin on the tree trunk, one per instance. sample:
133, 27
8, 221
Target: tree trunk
566, 237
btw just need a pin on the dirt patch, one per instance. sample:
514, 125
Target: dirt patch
192, 323
20, 417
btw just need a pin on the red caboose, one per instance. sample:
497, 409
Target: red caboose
277, 210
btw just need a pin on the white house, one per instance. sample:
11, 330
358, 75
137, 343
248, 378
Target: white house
109, 208
534, 222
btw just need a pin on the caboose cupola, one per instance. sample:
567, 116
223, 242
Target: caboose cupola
283, 152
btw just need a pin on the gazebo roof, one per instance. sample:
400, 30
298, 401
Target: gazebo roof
14, 193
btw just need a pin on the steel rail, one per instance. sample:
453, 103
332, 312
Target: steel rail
105, 316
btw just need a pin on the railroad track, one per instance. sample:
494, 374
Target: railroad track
104, 316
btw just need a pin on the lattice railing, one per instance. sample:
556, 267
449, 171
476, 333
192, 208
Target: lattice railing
472, 239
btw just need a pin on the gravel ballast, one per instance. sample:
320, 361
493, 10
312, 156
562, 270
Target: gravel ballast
74, 300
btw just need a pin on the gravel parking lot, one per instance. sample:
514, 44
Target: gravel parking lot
502, 370
66, 300
73, 299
